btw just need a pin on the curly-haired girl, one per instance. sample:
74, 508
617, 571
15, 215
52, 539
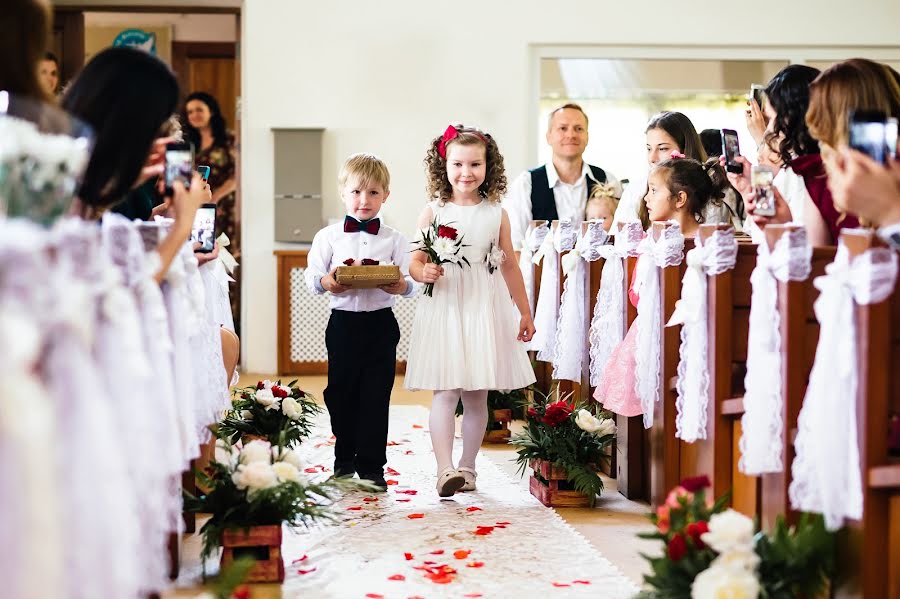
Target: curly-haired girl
466, 337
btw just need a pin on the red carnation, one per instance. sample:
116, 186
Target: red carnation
532, 413
448, 232
279, 392
259, 385
245, 395
557, 413
694, 530
695, 483
677, 548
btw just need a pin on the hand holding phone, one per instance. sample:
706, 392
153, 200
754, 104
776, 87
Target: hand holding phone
730, 150
204, 171
204, 230
873, 134
761, 177
179, 165
757, 94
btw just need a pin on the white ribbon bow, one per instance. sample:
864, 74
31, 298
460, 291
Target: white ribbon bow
224, 255
539, 241
826, 470
761, 441
667, 251
716, 256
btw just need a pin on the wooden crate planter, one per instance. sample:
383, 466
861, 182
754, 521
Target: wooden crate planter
502, 434
549, 492
263, 543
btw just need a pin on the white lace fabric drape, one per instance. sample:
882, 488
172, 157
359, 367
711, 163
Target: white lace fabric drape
761, 443
547, 312
571, 328
529, 256
607, 327
712, 257
826, 475
667, 251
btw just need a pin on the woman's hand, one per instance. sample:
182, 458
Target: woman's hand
185, 202
155, 164
864, 187
756, 122
741, 181
526, 328
204, 257
782, 210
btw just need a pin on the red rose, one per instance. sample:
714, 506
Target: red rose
245, 395
694, 530
279, 392
448, 232
695, 483
242, 592
532, 413
557, 413
259, 385
349, 261
677, 548
298, 393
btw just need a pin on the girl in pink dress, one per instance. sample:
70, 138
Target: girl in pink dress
678, 189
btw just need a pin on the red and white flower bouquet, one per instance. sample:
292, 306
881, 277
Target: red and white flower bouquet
443, 244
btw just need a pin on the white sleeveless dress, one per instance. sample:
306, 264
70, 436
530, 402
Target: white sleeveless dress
465, 335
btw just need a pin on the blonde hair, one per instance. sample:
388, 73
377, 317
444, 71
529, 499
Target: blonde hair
367, 168
605, 195
569, 106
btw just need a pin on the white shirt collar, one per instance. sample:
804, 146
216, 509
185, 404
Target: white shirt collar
553, 176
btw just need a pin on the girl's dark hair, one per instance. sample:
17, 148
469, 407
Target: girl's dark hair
788, 93
681, 129
702, 182
126, 95
216, 121
438, 186
24, 32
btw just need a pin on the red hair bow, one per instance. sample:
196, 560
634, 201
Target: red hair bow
450, 133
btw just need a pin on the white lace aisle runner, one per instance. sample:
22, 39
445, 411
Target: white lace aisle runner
529, 552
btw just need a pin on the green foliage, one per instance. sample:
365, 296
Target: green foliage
273, 424
556, 438
514, 400
796, 562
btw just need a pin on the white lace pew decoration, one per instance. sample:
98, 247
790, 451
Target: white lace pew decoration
711, 256
826, 476
789, 259
661, 248
529, 256
562, 239
571, 327
608, 321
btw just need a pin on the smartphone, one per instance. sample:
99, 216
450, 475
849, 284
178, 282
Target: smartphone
761, 177
757, 92
891, 132
204, 172
179, 165
868, 134
204, 231
731, 150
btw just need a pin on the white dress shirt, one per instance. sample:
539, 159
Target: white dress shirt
331, 247
571, 199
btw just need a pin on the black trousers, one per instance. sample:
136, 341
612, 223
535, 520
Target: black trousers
362, 357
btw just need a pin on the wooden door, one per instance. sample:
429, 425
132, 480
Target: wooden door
209, 67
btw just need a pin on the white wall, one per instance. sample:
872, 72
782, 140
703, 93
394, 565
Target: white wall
387, 76
187, 27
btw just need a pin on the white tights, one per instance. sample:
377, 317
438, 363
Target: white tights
442, 423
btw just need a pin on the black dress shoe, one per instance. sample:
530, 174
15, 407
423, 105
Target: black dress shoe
377, 479
341, 469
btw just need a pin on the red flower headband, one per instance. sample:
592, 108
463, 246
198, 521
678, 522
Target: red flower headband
451, 133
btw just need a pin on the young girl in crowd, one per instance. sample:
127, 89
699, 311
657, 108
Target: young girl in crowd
602, 203
467, 338
678, 189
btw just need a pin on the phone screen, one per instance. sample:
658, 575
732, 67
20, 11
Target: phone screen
757, 93
891, 133
204, 231
869, 137
731, 149
179, 166
762, 177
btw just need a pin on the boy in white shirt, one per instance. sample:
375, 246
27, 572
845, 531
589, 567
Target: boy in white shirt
362, 333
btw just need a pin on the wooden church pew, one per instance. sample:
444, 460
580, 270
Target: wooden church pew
542, 370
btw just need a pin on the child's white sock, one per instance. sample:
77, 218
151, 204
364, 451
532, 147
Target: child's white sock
475, 418
442, 423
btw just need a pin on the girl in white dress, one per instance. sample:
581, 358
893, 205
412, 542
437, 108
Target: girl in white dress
467, 337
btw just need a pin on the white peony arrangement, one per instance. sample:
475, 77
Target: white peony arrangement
733, 572
591, 424
494, 258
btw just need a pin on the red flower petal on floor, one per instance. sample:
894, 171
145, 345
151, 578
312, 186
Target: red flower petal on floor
408, 452
374, 596
438, 552
392, 472
418, 426
415, 516
408, 556
310, 571
440, 578
473, 595
561, 584
461, 553
484, 530
392, 443
581, 582
302, 558
392, 482
407, 491
429, 563
503, 523
474, 564
354, 508
473, 509
402, 500
415, 597
397, 577
370, 499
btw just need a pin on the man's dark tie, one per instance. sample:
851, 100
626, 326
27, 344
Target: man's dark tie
351, 225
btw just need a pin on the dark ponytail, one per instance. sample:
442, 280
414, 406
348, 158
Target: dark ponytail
702, 183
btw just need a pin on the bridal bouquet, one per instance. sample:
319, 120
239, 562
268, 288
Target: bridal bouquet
443, 244
279, 413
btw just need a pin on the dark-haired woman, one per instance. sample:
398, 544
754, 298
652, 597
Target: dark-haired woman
206, 129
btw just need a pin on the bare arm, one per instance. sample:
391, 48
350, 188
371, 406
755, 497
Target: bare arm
514, 281
420, 269
185, 204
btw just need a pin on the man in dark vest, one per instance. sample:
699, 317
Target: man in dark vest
560, 188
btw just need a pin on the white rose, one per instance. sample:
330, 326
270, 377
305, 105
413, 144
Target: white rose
587, 421
265, 398
291, 408
255, 476
247, 415
716, 582
445, 248
286, 472
737, 560
287, 455
729, 531
607, 427
267, 384
224, 453
256, 451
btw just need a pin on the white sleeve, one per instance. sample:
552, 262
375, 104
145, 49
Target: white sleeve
401, 257
318, 262
518, 206
630, 202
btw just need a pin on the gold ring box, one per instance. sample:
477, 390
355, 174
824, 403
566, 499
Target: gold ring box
367, 277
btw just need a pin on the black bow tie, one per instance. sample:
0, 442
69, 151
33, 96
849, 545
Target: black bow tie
351, 225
